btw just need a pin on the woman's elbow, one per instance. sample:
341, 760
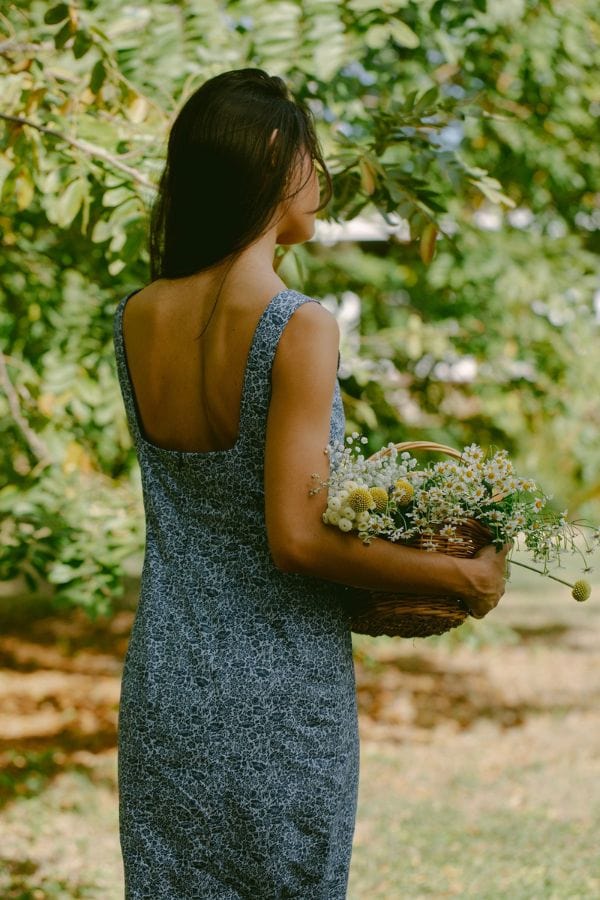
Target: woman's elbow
291, 556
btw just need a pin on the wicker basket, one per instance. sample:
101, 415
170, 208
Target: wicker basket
382, 612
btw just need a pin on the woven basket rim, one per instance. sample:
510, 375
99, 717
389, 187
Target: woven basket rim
417, 618
433, 447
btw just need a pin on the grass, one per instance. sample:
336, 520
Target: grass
453, 818
480, 769
469, 837
61, 843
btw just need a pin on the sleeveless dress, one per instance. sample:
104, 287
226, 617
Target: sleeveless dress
238, 746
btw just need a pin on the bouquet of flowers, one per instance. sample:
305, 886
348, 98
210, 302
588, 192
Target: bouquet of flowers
453, 506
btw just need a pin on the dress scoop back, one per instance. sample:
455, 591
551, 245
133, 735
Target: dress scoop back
238, 748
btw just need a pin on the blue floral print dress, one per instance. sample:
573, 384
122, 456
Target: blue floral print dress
238, 748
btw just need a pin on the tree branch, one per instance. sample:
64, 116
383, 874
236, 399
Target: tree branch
91, 150
11, 46
36, 446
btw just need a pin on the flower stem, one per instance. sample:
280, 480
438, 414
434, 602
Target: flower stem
514, 562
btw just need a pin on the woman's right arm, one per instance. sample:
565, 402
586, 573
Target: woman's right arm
303, 381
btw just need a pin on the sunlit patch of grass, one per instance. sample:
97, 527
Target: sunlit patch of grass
414, 845
62, 843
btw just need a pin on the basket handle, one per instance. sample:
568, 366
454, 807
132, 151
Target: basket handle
428, 445
418, 445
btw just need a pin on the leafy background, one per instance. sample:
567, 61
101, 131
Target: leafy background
473, 121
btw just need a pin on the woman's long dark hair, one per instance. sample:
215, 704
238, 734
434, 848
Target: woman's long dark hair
224, 177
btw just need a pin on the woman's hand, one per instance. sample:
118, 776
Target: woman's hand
487, 572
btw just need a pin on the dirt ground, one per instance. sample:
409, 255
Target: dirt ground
480, 760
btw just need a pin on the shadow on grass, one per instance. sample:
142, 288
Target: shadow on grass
415, 691
55, 720
26, 773
21, 875
549, 633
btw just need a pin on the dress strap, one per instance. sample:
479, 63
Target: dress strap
123, 370
256, 393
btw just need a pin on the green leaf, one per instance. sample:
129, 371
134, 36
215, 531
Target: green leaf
435, 12
97, 77
410, 100
117, 195
69, 202
377, 36
59, 573
57, 14
489, 190
116, 266
24, 189
82, 43
426, 100
6, 167
404, 35
30, 579
101, 231
62, 36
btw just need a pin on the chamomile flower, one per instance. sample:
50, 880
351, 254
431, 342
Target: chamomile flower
473, 452
435, 500
491, 474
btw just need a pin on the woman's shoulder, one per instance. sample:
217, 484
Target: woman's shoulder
311, 310
311, 321
311, 333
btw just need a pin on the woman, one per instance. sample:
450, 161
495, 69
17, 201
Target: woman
238, 738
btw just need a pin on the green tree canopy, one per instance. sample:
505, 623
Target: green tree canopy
473, 120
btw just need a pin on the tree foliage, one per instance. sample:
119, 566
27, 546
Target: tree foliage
473, 120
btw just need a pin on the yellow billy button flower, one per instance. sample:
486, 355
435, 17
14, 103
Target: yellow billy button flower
403, 492
360, 499
379, 495
581, 591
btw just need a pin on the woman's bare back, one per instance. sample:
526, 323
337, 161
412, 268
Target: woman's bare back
188, 389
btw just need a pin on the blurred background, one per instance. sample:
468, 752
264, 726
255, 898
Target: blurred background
460, 256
